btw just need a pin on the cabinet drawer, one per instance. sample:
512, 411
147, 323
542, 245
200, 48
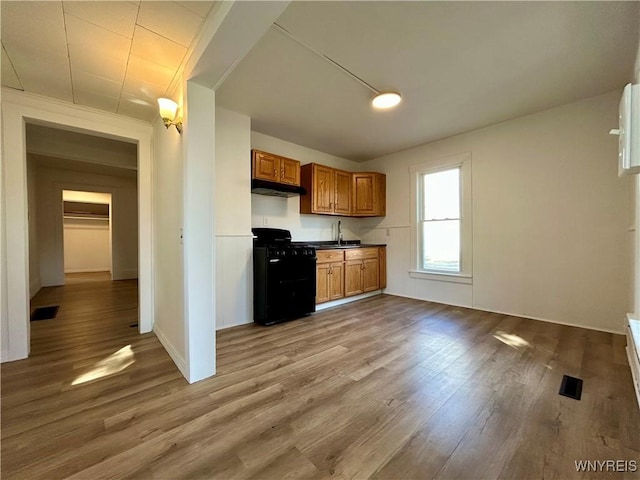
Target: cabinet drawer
360, 253
325, 256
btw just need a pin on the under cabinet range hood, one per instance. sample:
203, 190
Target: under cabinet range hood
275, 189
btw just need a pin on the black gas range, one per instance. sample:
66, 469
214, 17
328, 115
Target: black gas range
284, 277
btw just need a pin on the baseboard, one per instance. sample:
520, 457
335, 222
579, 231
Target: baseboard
168, 346
248, 322
386, 292
530, 317
86, 270
342, 301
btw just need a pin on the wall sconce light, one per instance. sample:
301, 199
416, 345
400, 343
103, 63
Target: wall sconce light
168, 109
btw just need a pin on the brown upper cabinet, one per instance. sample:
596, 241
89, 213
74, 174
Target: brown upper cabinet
328, 190
369, 194
275, 168
335, 192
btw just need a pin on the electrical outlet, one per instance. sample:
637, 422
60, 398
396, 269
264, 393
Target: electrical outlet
388, 232
265, 221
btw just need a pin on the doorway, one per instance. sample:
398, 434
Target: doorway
87, 236
18, 111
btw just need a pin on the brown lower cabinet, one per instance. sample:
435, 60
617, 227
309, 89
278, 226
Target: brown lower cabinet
343, 273
362, 271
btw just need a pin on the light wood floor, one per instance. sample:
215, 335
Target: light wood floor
385, 388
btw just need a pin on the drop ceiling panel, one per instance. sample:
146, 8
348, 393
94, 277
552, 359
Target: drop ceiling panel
9, 77
149, 72
157, 49
33, 29
117, 17
86, 61
95, 100
83, 49
199, 8
134, 106
87, 82
169, 20
92, 39
143, 90
49, 76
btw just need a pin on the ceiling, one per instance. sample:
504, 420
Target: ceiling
76, 147
459, 66
112, 55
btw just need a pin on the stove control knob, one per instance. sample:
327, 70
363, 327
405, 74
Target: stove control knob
294, 252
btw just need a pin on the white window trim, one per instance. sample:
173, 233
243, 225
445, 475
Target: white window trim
465, 274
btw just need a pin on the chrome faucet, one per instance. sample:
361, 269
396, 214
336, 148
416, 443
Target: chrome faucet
339, 232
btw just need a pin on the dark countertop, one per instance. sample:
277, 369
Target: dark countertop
332, 245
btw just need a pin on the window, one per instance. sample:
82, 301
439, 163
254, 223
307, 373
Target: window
440, 219
441, 198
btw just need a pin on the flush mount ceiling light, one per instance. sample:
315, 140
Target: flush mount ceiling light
168, 109
386, 100
381, 101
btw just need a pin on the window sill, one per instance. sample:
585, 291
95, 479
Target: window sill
442, 277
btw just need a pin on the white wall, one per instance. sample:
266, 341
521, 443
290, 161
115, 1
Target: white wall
86, 245
234, 268
168, 206
184, 236
5, 343
285, 212
51, 182
199, 231
35, 282
550, 218
636, 219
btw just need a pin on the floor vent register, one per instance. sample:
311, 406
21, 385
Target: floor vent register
44, 313
571, 387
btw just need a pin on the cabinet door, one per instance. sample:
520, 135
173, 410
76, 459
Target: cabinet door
371, 274
368, 193
353, 278
342, 192
322, 282
382, 256
336, 281
362, 192
289, 171
266, 166
322, 189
